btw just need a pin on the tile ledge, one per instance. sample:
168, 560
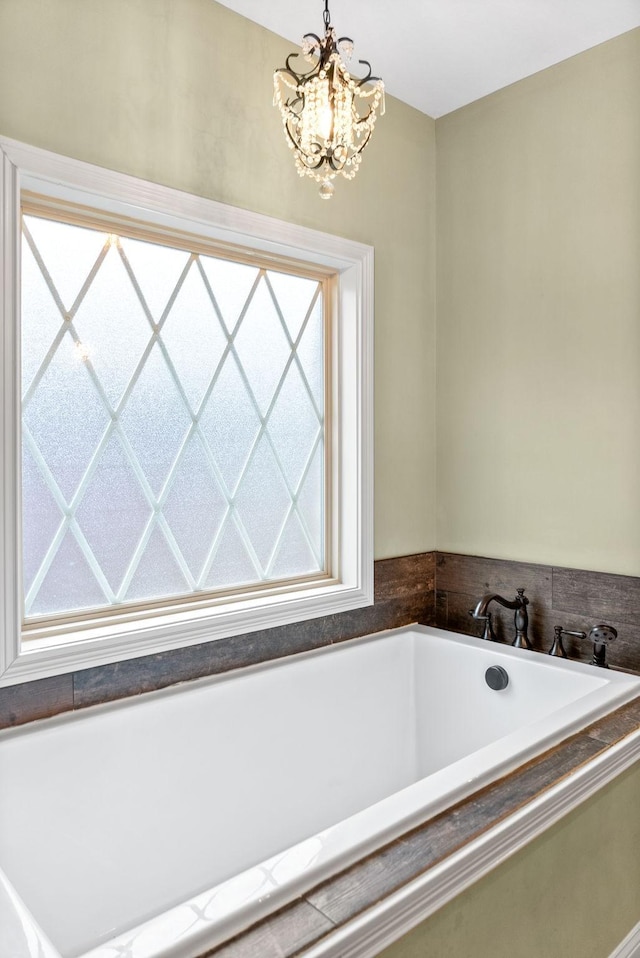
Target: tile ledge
385, 921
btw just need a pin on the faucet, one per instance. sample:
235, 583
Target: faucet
520, 604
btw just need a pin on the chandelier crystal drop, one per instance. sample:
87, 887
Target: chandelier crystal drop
328, 115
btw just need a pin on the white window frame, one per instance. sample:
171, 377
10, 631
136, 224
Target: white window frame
349, 442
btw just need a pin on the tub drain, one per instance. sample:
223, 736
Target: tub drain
496, 678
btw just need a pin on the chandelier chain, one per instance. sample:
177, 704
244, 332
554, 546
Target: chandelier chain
327, 16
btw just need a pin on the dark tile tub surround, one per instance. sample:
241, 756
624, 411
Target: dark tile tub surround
404, 593
434, 588
35, 700
573, 598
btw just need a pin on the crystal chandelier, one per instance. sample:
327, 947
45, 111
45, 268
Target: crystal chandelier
328, 115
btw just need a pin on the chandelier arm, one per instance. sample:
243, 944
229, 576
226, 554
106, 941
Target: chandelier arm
287, 68
289, 72
291, 105
296, 146
316, 166
364, 120
368, 78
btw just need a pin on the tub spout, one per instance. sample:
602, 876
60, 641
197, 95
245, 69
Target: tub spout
520, 603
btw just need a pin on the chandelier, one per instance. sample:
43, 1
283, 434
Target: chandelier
328, 115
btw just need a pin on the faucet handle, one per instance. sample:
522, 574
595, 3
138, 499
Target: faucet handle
487, 632
558, 648
601, 635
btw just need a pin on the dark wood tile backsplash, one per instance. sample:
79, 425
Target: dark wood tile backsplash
432, 588
573, 598
35, 700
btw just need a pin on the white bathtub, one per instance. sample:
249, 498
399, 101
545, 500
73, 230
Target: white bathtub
168, 822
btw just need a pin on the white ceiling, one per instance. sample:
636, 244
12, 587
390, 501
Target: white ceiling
438, 55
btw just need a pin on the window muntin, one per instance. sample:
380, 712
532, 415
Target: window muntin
173, 420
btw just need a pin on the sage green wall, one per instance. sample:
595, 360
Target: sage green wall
179, 92
538, 317
574, 892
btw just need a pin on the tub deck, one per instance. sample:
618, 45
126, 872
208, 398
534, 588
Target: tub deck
409, 879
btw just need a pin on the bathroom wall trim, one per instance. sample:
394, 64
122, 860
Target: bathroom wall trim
630, 947
380, 926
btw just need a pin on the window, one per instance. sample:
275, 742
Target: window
172, 421
187, 426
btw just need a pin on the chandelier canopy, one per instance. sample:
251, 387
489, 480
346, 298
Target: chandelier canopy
328, 115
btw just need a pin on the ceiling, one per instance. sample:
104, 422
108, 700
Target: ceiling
438, 55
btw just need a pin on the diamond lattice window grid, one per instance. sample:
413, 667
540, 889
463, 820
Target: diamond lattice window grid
173, 421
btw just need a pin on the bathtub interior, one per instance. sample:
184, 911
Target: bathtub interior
456, 713
110, 817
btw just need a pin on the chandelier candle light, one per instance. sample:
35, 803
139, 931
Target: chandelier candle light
328, 115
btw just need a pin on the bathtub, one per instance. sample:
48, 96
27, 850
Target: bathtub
159, 826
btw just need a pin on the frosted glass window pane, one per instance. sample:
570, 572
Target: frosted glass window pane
232, 565
195, 506
311, 354
193, 337
263, 484
158, 573
262, 347
231, 284
294, 555
114, 512
311, 501
68, 254
41, 518
294, 295
112, 327
230, 423
155, 420
293, 426
69, 584
156, 269
41, 319
66, 417
173, 421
